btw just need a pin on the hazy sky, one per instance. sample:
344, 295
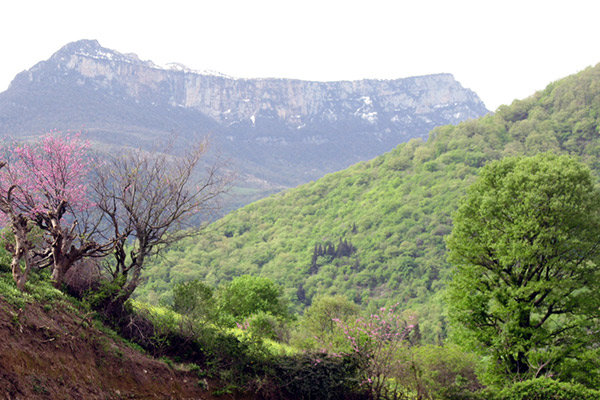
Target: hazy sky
500, 49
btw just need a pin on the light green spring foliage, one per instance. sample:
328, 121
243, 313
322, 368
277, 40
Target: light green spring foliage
319, 317
395, 210
526, 246
545, 388
194, 299
318, 325
440, 372
37, 289
247, 295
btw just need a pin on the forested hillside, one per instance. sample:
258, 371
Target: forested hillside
375, 232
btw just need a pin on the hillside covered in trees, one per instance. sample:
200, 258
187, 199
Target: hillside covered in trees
375, 232
338, 289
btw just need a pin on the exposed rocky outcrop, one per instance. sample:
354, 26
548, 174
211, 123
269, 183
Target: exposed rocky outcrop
279, 132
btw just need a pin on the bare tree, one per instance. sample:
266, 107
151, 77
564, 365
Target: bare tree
70, 236
151, 201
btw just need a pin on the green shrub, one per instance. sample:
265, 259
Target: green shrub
318, 326
583, 369
194, 299
107, 291
547, 389
5, 259
313, 376
442, 372
37, 289
247, 295
319, 317
266, 326
10, 293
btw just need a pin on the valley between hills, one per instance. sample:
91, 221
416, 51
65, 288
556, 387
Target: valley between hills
362, 277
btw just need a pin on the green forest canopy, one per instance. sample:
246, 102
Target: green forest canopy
393, 211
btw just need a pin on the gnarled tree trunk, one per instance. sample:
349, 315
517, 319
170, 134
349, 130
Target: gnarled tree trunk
20, 250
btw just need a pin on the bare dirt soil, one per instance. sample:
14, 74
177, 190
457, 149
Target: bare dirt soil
57, 353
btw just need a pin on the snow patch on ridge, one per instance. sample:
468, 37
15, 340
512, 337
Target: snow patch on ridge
174, 66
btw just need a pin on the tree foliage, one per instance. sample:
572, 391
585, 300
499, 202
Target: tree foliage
194, 299
395, 210
319, 318
546, 388
526, 246
247, 295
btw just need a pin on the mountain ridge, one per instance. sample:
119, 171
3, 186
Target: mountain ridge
282, 132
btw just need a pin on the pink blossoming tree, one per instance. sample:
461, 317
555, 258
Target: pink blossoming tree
378, 341
45, 184
130, 206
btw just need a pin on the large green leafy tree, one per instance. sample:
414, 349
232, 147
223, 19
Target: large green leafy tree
525, 244
246, 295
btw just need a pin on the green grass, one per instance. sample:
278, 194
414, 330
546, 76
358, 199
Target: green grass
168, 319
37, 290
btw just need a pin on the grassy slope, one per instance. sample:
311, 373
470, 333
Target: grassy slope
395, 209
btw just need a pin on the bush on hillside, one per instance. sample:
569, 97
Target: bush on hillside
313, 376
547, 389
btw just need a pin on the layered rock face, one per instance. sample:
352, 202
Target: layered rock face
280, 131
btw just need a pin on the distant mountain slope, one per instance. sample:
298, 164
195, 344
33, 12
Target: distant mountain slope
388, 216
277, 132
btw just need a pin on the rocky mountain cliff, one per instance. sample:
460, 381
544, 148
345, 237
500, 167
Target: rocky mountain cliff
277, 132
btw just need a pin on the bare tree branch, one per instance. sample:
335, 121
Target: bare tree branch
153, 200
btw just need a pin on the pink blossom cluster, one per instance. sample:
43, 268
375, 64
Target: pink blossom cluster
366, 334
47, 173
244, 326
376, 340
